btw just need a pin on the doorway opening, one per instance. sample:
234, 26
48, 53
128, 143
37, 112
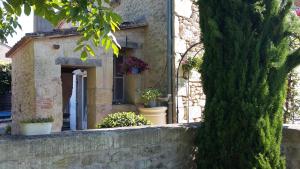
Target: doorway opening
74, 93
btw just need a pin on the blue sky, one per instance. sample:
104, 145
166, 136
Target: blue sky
27, 26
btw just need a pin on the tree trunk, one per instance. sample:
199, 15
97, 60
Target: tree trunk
246, 61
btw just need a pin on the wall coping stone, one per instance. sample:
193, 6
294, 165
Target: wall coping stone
157, 146
78, 62
185, 126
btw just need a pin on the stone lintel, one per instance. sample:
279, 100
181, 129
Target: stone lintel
78, 62
132, 45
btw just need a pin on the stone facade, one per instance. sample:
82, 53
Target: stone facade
191, 99
37, 85
291, 146
150, 44
155, 36
23, 89
186, 32
165, 147
133, 83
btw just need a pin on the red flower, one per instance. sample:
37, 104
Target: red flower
298, 12
132, 62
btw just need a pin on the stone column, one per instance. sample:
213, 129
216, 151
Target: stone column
100, 83
133, 84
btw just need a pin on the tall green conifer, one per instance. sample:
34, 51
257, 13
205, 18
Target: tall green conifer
246, 62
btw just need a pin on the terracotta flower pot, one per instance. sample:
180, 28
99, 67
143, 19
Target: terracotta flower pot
156, 115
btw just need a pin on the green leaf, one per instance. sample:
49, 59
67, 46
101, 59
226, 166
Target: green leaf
18, 10
113, 28
8, 7
79, 47
115, 49
84, 55
108, 44
90, 50
103, 41
27, 9
98, 33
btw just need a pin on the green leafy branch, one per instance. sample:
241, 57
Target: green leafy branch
92, 18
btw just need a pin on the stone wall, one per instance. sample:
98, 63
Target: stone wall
166, 147
23, 88
291, 146
155, 36
191, 99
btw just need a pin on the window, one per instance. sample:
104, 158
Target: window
118, 80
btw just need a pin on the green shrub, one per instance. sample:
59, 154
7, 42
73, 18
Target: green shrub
150, 94
192, 63
8, 129
5, 78
123, 119
245, 65
39, 120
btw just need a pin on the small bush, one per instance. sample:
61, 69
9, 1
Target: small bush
8, 130
39, 120
5, 78
123, 119
192, 63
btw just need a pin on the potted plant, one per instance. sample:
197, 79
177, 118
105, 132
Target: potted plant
37, 126
156, 115
149, 97
134, 65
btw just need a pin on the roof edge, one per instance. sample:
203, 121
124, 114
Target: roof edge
16, 46
66, 32
35, 35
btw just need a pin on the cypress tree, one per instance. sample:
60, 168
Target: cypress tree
246, 62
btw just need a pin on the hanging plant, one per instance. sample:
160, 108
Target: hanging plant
192, 63
134, 65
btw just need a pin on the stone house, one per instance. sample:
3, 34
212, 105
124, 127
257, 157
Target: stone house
49, 79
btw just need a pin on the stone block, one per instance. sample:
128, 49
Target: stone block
202, 103
182, 91
183, 8
180, 102
195, 112
180, 45
176, 26
44, 103
182, 116
78, 62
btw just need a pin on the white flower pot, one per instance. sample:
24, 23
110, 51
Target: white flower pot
29, 129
